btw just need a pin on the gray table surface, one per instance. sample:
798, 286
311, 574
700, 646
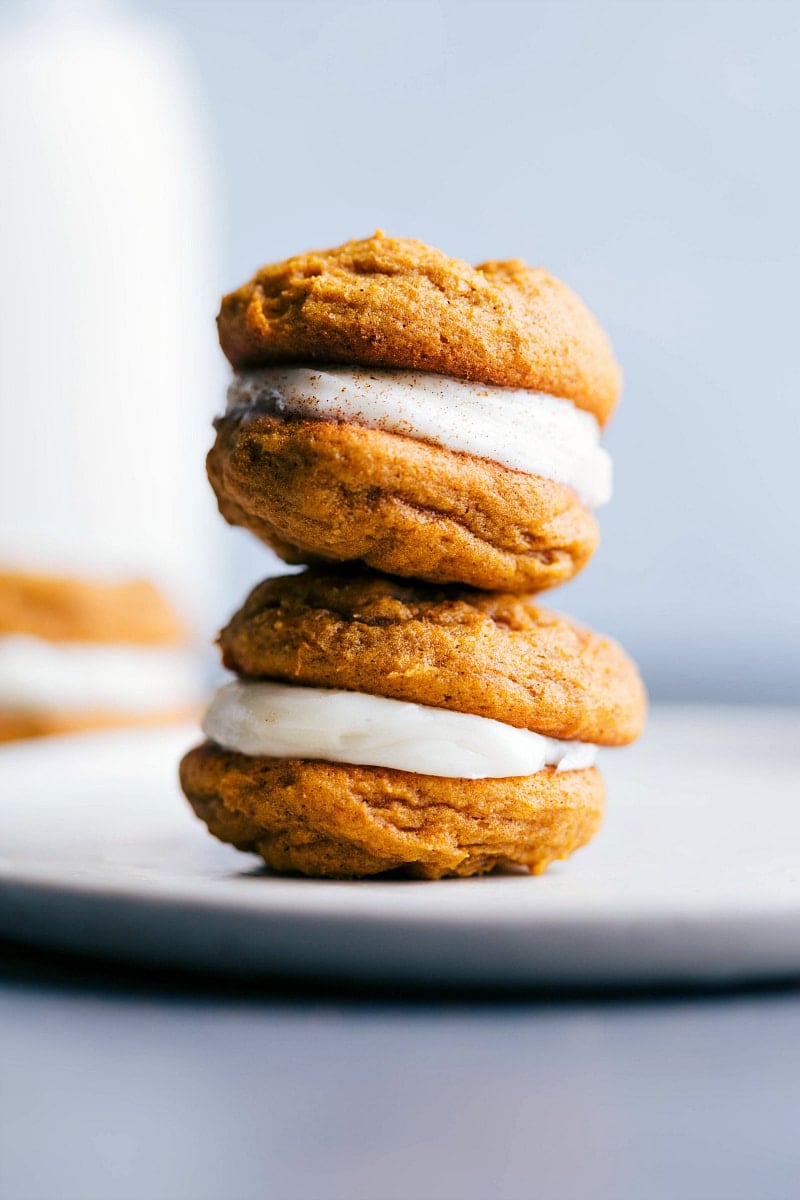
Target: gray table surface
117, 1085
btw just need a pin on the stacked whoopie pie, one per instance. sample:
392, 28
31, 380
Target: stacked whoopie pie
78, 654
425, 435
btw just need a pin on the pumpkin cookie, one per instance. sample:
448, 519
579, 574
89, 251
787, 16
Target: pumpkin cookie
378, 725
400, 409
42, 722
317, 491
66, 609
331, 819
494, 655
79, 654
395, 302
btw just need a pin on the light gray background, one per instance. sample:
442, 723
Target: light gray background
647, 154
116, 1089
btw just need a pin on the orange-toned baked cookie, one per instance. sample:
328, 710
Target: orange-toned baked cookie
322, 476
395, 302
341, 669
64, 608
317, 490
19, 725
493, 655
79, 654
337, 820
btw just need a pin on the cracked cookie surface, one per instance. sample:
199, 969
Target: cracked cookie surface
319, 490
494, 655
396, 302
335, 820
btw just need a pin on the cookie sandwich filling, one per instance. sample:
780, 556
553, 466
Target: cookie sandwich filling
79, 676
527, 431
279, 720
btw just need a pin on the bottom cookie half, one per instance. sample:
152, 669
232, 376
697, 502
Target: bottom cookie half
18, 725
335, 820
330, 491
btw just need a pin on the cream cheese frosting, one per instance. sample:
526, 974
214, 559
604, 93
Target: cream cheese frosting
82, 676
527, 431
279, 720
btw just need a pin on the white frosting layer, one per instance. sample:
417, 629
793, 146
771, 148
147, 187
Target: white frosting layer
527, 431
85, 676
279, 720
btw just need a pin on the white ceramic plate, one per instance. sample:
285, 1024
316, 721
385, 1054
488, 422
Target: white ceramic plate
694, 878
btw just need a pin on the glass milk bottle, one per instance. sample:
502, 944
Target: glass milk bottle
109, 373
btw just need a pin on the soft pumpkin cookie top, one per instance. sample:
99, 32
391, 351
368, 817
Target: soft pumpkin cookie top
492, 654
395, 302
62, 608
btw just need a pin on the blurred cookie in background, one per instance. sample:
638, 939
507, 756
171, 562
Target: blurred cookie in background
79, 654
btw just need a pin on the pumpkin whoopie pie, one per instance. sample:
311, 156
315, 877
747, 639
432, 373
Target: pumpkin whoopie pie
79, 654
399, 409
378, 724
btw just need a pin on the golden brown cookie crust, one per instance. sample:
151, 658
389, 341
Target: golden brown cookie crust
330, 819
60, 608
17, 726
321, 490
395, 302
494, 655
